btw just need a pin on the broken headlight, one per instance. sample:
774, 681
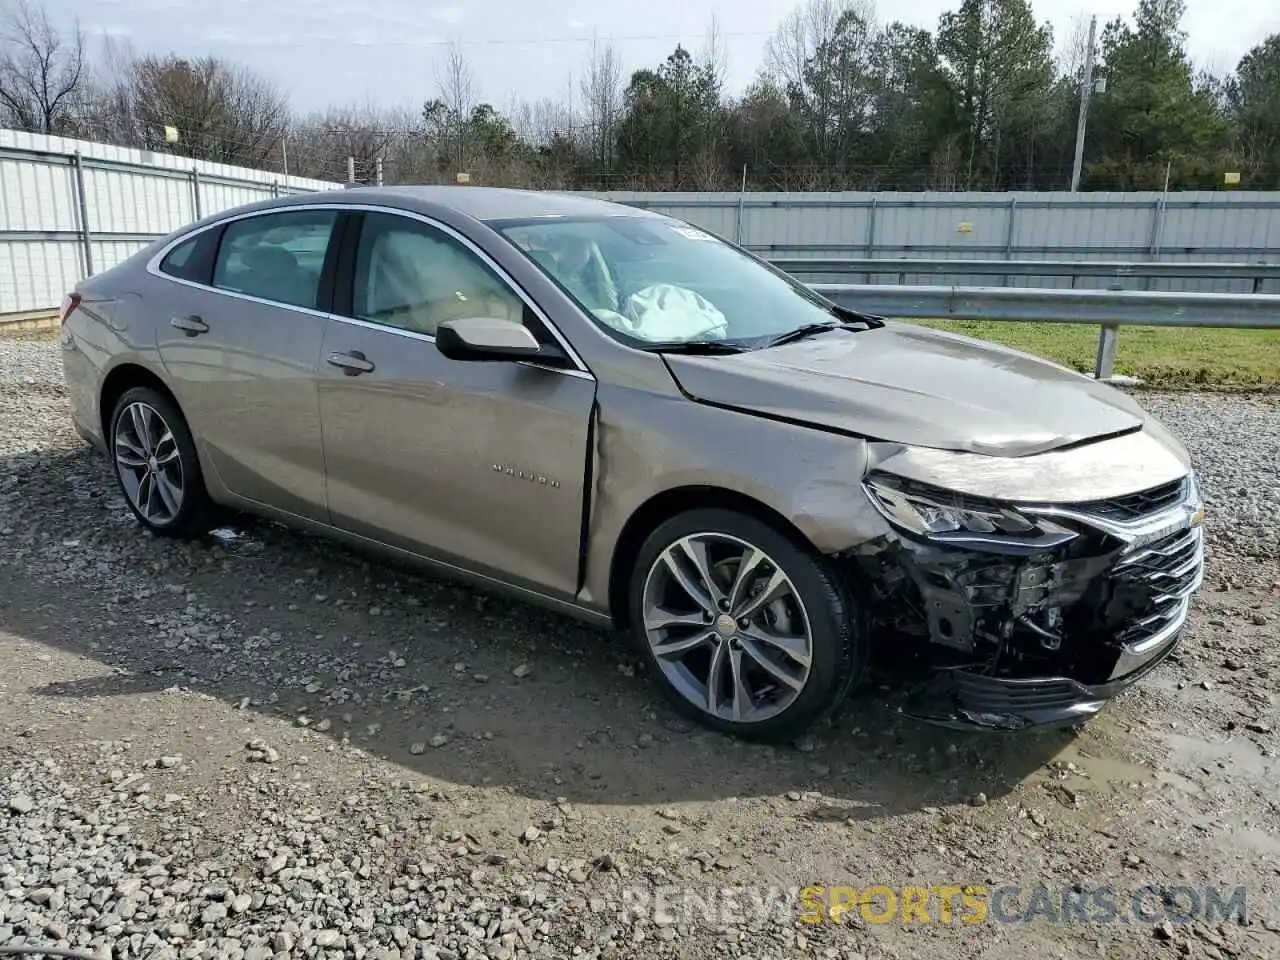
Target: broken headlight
946, 517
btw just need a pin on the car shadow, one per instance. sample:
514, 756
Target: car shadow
449, 682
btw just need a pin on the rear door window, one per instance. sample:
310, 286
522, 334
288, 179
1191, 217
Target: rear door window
276, 256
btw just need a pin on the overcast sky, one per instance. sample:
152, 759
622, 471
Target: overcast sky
388, 52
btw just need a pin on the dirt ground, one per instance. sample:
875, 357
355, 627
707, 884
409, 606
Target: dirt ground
262, 745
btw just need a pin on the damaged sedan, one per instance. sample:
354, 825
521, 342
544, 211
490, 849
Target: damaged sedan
627, 419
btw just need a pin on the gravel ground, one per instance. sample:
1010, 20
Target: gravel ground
264, 746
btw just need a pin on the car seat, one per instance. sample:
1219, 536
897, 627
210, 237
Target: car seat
417, 282
273, 273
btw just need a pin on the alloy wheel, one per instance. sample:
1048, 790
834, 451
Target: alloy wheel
149, 463
727, 627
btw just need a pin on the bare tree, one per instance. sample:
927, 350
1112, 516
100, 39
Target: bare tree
320, 143
543, 122
715, 54
601, 89
810, 25
1074, 49
221, 111
457, 96
457, 82
42, 71
108, 104
823, 59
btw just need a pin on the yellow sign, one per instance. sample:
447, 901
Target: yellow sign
881, 904
964, 227
1010, 903
464, 178
170, 134
1231, 178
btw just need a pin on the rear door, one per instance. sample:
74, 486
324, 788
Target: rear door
240, 336
480, 464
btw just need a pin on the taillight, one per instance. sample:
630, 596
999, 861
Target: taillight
69, 303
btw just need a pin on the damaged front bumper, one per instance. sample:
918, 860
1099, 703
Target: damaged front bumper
1008, 640
965, 699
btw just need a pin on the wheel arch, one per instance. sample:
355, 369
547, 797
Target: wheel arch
662, 507
118, 381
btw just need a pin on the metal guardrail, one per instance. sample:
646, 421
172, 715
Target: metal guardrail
1109, 309
1256, 273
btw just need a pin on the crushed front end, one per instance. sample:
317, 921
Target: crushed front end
1015, 614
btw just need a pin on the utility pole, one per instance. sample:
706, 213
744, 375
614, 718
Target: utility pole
284, 155
351, 169
1086, 91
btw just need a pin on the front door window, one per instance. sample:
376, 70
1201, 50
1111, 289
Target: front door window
411, 276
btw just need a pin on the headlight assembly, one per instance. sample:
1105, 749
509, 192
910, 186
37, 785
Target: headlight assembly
944, 517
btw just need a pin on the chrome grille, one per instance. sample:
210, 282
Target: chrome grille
1135, 505
1170, 569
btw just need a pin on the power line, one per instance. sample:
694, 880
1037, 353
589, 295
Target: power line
530, 41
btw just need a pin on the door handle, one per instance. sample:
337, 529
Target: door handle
191, 326
352, 364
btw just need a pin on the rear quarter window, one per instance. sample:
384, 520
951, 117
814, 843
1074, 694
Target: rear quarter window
192, 259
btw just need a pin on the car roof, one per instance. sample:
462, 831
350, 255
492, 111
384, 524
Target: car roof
479, 203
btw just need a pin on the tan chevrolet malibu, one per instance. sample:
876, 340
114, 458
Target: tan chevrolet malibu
632, 421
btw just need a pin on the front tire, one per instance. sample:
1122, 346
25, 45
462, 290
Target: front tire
748, 631
156, 465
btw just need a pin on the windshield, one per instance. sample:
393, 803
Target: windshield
656, 281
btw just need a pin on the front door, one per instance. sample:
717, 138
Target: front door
477, 463
240, 339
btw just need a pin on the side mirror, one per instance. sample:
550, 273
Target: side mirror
490, 338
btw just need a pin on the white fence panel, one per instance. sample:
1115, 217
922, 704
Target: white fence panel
36, 276
127, 197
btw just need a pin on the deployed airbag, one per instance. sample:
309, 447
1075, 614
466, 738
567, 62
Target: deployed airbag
664, 312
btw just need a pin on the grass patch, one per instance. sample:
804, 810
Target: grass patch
46, 335
1160, 356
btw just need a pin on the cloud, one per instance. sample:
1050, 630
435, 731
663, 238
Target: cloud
238, 37
367, 38
108, 29
451, 14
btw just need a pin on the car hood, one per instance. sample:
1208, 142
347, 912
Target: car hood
914, 385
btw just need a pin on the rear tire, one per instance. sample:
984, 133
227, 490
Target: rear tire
762, 657
156, 465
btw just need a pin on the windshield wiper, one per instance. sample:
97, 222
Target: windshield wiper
852, 320
853, 316
694, 346
800, 332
